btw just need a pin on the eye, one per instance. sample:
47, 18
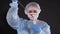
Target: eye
35, 11
30, 11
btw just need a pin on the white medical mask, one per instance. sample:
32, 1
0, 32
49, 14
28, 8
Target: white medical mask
33, 16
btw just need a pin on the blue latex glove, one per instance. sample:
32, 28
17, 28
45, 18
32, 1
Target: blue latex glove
36, 28
14, 0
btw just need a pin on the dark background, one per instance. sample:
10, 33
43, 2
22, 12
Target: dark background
50, 13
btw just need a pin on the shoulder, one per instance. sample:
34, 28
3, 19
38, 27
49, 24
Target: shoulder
45, 27
43, 24
22, 19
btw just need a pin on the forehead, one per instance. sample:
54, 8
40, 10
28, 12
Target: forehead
32, 8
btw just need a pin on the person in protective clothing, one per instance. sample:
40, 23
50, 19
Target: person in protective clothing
24, 26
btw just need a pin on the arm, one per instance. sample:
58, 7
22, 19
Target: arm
13, 19
12, 15
45, 29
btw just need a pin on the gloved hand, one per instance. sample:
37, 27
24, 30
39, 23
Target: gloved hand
14, 3
36, 28
14, 0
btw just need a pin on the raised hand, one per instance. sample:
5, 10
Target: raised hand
14, 3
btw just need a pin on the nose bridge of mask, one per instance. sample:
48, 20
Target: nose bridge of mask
34, 14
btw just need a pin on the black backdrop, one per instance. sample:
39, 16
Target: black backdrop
50, 14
